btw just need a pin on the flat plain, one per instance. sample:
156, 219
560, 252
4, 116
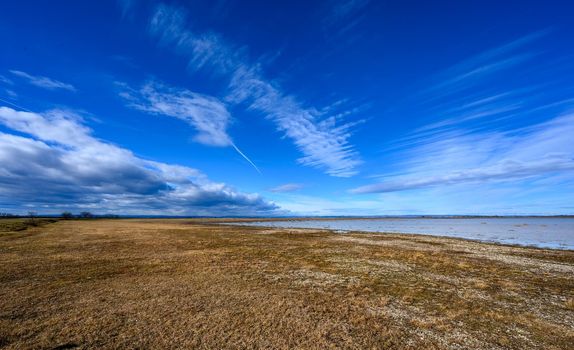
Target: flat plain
159, 283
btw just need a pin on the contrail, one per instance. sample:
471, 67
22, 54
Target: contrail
246, 158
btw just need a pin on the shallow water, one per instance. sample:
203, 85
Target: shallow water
540, 232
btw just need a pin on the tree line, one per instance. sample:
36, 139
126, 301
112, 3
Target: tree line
65, 215
86, 215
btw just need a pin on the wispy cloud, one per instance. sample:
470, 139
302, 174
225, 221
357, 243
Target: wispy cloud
291, 187
8, 92
206, 114
126, 6
502, 171
494, 89
540, 150
43, 82
482, 66
341, 10
493, 137
204, 50
324, 144
492, 84
59, 165
5, 80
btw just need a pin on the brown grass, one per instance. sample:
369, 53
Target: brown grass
18, 224
193, 284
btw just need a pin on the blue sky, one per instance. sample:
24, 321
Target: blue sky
350, 107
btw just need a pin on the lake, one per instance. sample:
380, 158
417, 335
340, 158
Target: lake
555, 233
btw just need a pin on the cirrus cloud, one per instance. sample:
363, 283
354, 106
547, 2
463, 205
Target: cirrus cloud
291, 187
324, 144
43, 82
206, 114
456, 158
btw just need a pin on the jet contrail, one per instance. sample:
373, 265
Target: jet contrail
246, 158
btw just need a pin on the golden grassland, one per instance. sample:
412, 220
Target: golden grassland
198, 284
18, 224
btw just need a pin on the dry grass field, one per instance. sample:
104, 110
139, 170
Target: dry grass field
194, 284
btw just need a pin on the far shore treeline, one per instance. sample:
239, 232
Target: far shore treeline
64, 215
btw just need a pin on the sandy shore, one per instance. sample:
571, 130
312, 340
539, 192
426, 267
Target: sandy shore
193, 284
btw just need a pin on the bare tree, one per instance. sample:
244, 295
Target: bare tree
67, 215
32, 217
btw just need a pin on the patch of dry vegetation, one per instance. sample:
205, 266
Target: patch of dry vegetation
193, 284
19, 224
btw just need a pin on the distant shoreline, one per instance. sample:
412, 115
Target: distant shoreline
540, 232
299, 218
337, 218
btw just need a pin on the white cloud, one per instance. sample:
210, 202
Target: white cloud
291, 187
501, 171
43, 82
324, 145
478, 109
208, 116
61, 166
448, 158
